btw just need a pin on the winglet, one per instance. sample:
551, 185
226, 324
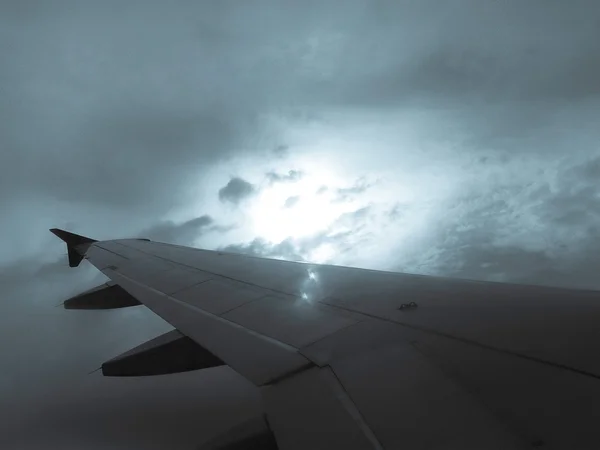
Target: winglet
76, 245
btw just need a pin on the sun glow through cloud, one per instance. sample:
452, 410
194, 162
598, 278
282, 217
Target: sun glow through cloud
274, 217
314, 204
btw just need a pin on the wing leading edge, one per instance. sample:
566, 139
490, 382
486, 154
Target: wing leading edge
343, 362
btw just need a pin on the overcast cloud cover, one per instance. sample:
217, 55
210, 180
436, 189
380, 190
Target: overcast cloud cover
457, 138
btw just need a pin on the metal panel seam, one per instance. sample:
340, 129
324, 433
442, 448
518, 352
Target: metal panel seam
301, 350
97, 244
189, 287
347, 402
213, 273
449, 373
469, 341
243, 304
263, 337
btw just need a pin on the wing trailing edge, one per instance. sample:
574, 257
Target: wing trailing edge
171, 352
105, 296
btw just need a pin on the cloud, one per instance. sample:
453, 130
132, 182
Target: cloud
542, 232
281, 151
345, 194
112, 120
342, 235
261, 247
292, 175
236, 190
291, 201
352, 219
22, 272
183, 233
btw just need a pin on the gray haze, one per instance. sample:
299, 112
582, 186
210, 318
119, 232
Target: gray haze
456, 138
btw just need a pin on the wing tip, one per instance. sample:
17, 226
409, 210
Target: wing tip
76, 244
71, 238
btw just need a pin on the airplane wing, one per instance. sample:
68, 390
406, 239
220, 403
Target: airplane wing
360, 359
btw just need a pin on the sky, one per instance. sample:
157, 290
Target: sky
452, 138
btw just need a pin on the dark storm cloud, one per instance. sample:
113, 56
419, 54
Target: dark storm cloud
119, 155
236, 190
183, 234
114, 117
99, 120
114, 154
473, 50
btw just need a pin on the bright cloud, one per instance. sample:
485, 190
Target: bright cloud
275, 218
